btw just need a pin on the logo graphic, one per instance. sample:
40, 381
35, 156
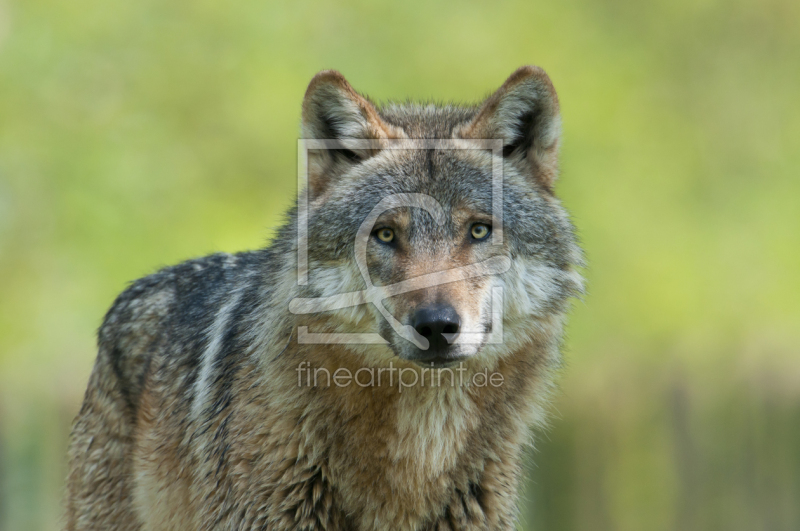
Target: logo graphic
376, 294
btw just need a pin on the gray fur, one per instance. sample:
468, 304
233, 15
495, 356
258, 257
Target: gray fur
190, 340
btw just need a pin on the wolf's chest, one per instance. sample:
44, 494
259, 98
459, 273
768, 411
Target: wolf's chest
406, 466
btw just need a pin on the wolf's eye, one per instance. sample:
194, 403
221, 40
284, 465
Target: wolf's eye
480, 231
386, 235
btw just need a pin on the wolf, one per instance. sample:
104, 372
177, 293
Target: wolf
229, 391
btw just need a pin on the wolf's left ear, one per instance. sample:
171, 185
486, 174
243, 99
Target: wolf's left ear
333, 111
523, 112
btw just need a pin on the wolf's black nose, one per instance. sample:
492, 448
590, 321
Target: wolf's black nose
437, 324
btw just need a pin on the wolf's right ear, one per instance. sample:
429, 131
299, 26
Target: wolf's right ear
334, 112
524, 113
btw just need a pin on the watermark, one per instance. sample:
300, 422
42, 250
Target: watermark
403, 377
375, 295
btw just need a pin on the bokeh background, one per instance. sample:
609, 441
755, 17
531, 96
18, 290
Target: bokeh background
137, 134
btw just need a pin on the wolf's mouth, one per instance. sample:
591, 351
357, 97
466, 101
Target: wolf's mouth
445, 357
440, 362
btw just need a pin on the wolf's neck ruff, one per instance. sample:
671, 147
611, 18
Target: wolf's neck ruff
197, 414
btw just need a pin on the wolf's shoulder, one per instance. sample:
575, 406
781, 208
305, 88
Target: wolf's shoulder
183, 297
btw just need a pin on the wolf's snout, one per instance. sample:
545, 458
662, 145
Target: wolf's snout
439, 325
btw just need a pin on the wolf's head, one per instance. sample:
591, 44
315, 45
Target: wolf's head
460, 235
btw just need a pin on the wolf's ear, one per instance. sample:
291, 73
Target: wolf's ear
523, 112
333, 111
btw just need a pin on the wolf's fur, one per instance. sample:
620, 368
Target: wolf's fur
193, 417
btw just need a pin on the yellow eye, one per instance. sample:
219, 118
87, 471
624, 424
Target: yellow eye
480, 231
385, 235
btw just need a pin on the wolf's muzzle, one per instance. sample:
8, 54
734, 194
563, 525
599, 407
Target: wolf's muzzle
440, 325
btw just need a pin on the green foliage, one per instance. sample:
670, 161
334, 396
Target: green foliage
137, 134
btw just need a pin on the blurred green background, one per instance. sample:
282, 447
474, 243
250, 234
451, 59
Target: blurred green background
137, 134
